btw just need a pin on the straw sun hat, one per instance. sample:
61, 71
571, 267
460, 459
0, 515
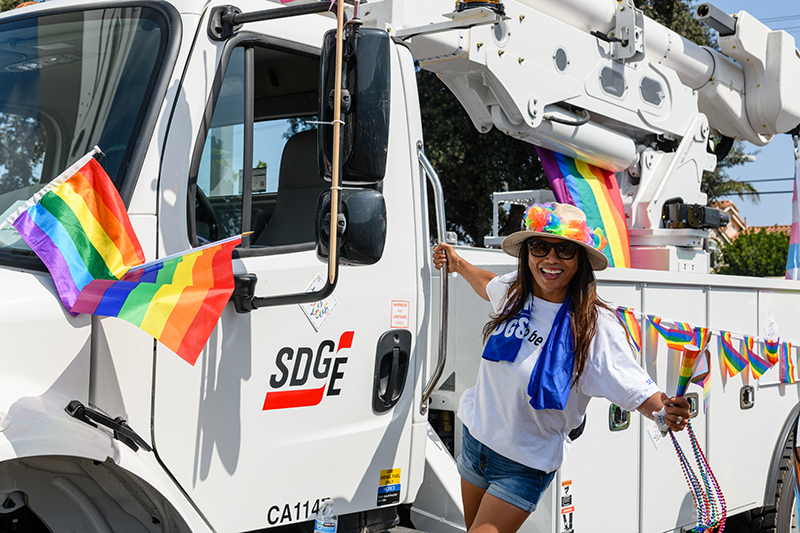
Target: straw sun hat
560, 221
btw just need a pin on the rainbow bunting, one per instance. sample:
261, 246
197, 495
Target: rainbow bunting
595, 191
78, 226
734, 362
758, 365
786, 367
771, 349
688, 359
631, 325
676, 337
702, 366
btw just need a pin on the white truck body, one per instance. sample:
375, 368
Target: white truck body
228, 456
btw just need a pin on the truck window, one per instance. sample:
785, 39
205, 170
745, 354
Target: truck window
71, 81
286, 182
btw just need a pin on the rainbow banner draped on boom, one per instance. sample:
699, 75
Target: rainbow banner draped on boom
79, 227
595, 192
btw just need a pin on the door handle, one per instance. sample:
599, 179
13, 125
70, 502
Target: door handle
391, 369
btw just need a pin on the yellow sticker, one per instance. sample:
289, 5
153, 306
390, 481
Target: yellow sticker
390, 477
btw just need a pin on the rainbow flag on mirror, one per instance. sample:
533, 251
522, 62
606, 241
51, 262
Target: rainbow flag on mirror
79, 227
595, 192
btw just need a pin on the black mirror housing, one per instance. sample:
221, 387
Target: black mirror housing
362, 226
365, 104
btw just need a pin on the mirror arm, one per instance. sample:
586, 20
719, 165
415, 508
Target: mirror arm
438, 197
251, 302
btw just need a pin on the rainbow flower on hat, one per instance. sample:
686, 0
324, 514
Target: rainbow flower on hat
542, 218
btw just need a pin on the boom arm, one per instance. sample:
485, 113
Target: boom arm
653, 98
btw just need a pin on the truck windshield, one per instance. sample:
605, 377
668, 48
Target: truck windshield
71, 81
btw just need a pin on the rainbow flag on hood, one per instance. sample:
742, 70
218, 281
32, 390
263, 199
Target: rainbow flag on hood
595, 192
78, 226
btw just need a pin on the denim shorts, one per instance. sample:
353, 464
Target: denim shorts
514, 483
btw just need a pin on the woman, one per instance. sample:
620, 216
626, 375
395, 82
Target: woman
551, 345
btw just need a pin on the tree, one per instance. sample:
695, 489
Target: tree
719, 184
758, 254
472, 165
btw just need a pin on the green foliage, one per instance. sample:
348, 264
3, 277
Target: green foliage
677, 16
758, 254
718, 184
473, 165
5, 5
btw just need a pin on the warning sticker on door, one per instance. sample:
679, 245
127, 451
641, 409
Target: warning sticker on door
400, 313
567, 507
389, 487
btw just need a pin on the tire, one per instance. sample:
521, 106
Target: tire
781, 517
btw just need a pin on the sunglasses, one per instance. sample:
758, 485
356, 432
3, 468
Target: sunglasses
564, 250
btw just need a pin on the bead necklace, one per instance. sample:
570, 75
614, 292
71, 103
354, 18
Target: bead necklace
708, 498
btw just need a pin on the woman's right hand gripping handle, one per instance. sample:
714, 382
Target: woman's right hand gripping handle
476, 277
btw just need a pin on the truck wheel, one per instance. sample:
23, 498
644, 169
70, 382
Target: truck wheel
782, 517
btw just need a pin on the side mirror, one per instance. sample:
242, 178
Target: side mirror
365, 104
361, 226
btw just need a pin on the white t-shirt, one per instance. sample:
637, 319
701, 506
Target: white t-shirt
497, 409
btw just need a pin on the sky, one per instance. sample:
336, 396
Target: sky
776, 160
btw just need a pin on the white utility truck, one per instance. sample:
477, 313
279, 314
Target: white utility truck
206, 111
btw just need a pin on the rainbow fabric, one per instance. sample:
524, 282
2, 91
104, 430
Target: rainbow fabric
676, 337
758, 365
771, 349
542, 218
178, 300
688, 359
595, 192
702, 366
628, 318
79, 227
733, 360
786, 367
793, 258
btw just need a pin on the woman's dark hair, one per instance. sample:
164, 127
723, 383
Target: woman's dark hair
584, 308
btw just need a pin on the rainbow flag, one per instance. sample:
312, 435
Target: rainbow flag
701, 373
734, 362
786, 364
688, 359
79, 227
793, 258
676, 337
595, 192
758, 365
771, 349
628, 318
178, 299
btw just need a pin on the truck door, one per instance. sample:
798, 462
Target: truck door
280, 411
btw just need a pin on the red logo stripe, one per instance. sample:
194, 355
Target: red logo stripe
346, 340
293, 398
